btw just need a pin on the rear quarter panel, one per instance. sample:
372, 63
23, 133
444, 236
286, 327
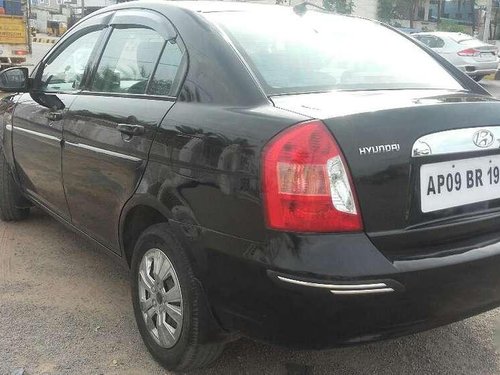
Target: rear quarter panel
204, 166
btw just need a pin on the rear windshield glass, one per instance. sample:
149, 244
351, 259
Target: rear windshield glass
470, 42
323, 52
462, 38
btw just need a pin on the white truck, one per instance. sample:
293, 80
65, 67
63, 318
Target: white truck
15, 41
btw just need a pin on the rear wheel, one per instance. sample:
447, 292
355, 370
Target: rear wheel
11, 199
478, 78
168, 302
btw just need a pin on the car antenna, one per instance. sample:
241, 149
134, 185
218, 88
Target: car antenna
301, 8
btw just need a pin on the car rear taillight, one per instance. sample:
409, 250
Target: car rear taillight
306, 184
20, 52
469, 52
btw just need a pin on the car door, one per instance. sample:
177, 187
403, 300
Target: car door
38, 118
110, 127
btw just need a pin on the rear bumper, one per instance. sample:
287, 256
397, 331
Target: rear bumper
306, 310
479, 69
428, 299
483, 72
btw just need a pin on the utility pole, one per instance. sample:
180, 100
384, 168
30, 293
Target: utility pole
487, 21
83, 9
473, 12
27, 17
427, 5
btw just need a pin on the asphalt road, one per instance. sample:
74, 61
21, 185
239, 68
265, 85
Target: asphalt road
65, 309
493, 87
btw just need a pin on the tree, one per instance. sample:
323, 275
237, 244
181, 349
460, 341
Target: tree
414, 5
385, 10
487, 21
339, 6
404, 10
400, 9
473, 11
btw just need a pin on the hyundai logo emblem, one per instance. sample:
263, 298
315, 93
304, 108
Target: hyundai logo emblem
483, 138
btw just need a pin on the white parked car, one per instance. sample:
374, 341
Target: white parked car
469, 54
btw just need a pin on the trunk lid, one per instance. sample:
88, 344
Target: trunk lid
477, 44
377, 131
488, 52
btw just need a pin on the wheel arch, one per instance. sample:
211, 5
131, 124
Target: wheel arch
7, 108
139, 213
144, 210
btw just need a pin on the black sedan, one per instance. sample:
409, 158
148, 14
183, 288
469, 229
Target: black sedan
263, 171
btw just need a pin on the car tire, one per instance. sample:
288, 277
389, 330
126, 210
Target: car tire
186, 351
478, 78
11, 198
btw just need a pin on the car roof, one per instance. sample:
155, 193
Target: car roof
203, 6
198, 6
218, 6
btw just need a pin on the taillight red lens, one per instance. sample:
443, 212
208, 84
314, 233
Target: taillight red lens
469, 52
306, 183
20, 52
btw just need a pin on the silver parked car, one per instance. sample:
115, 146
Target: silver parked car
469, 54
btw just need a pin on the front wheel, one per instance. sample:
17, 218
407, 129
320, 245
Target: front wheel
168, 302
478, 78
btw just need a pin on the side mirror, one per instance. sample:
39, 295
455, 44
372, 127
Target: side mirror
14, 80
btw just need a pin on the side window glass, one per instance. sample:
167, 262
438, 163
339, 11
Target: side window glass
128, 61
439, 43
426, 40
432, 42
64, 72
169, 70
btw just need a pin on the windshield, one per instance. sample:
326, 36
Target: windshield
461, 38
323, 52
470, 42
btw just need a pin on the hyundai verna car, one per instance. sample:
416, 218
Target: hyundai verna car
472, 56
260, 174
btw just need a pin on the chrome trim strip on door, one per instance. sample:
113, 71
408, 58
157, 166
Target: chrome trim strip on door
103, 151
38, 134
456, 141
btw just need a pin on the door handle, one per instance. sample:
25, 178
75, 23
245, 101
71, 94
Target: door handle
54, 116
131, 129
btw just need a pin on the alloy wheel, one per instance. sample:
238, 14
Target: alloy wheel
160, 298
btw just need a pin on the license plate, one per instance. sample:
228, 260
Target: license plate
459, 182
487, 56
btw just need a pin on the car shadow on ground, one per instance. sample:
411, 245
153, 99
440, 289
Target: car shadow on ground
74, 270
461, 348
